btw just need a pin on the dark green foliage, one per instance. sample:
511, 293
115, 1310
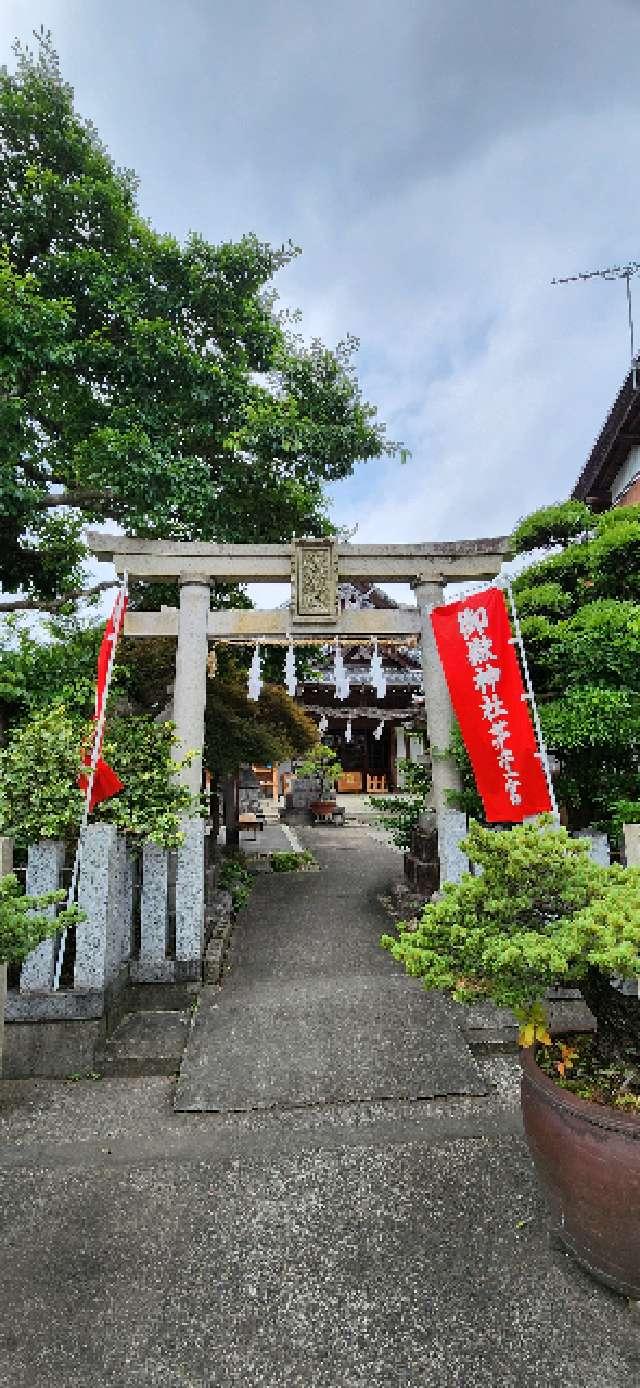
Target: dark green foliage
36, 673
551, 525
581, 628
399, 814
240, 732
21, 927
149, 382
624, 812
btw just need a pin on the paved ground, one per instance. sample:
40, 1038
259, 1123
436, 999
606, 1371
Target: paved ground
396, 1242
312, 1010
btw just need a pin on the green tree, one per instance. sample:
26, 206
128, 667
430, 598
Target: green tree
142, 380
240, 732
39, 768
579, 606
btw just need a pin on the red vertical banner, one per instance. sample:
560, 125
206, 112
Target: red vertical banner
106, 782
474, 643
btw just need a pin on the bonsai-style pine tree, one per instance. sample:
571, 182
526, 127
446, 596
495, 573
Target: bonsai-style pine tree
539, 911
323, 763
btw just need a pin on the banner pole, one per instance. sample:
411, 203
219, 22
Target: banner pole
95, 756
544, 756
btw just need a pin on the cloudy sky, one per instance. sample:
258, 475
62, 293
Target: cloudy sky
439, 162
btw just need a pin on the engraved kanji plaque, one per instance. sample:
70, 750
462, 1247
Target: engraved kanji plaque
315, 581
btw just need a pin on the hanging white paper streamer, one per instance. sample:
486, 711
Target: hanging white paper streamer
377, 732
340, 677
323, 725
378, 677
290, 674
347, 731
254, 684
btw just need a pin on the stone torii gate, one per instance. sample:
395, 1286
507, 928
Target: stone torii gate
315, 568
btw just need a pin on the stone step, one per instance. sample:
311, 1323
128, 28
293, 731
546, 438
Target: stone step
145, 1043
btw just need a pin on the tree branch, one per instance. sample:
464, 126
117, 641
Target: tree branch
79, 498
36, 605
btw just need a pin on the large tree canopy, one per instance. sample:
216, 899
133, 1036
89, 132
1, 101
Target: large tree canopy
144, 381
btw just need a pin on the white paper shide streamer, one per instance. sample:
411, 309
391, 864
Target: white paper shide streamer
377, 732
323, 725
290, 674
378, 677
254, 683
340, 677
347, 731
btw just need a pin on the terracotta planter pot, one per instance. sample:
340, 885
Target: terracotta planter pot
322, 806
587, 1158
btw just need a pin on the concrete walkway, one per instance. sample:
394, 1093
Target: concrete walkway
312, 1010
387, 1243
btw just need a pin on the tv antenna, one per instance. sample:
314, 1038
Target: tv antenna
614, 272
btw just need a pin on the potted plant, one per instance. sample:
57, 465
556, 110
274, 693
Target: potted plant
536, 911
24, 924
322, 763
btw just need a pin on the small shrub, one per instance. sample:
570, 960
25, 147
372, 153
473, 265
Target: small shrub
292, 862
21, 930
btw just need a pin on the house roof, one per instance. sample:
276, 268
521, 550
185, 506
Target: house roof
619, 433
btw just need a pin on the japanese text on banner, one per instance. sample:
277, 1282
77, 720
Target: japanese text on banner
482, 672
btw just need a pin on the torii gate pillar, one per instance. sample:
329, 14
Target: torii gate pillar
450, 822
190, 693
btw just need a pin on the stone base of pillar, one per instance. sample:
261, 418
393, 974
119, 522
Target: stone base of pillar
452, 827
631, 840
190, 894
99, 936
153, 906
45, 862
599, 845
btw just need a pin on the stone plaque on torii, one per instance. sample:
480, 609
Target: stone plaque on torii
314, 568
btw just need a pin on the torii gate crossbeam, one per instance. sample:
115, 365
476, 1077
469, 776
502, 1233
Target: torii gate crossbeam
315, 568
